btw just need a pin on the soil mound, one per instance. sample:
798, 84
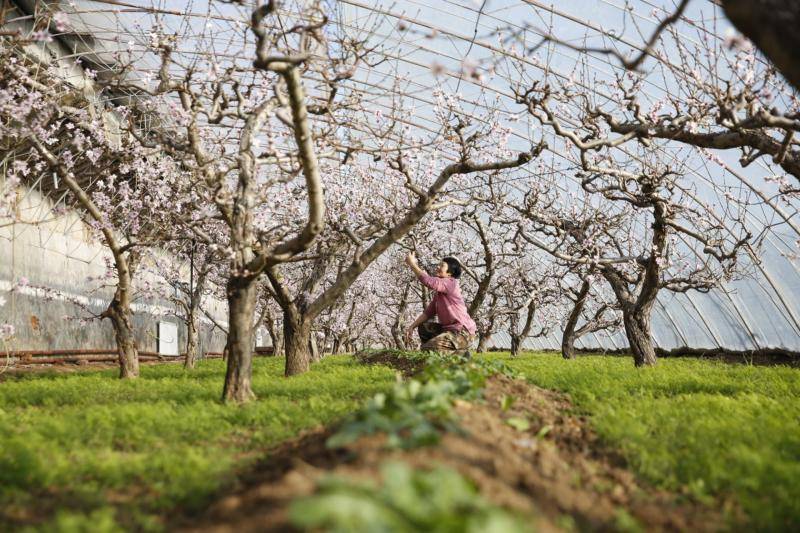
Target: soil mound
520, 446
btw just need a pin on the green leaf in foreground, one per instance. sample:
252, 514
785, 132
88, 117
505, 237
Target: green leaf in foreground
409, 500
519, 423
415, 412
507, 401
411, 414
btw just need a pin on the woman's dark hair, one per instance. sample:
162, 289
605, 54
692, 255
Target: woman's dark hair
453, 266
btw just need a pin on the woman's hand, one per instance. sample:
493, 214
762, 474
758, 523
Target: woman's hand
409, 333
411, 261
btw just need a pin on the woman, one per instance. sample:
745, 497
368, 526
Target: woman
455, 330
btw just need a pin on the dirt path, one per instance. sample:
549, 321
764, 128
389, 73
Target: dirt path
552, 471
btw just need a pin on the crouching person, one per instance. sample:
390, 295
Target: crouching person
455, 330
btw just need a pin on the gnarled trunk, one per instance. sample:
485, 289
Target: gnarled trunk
640, 338
518, 337
122, 320
340, 341
396, 329
241, 306
275, 335
569, 335
397, 338
277, 343
191, 342
568, 345
516, 342
297, 343
313, 346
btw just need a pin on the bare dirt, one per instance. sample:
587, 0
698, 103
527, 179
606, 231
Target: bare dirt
408, 367
555, 471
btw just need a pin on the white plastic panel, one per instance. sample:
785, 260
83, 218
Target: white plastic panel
168, 338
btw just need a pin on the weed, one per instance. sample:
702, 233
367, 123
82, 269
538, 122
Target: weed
412, 414
415, 412
408, 500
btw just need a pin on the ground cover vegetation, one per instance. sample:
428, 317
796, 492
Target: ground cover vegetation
711, 433
415, 411
75, 447
704, 427
715, 432
505, 454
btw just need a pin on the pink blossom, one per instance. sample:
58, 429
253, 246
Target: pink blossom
6, 331
61, 21
42, 36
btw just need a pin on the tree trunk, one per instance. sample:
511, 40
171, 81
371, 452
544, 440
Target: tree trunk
119, 310
277, 342
191, 342
397, 337
324, 348
276, 338
398, 333
569, 336
316, 353
483, 340
516, 340
241, 307
637, 329
297, 344
121, 319
568, 345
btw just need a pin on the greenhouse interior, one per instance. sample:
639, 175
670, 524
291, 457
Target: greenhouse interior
399, 265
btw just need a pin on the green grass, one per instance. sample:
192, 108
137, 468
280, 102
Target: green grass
704, 427
87, 452
90, 452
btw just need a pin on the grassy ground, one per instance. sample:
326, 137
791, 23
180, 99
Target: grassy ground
89, 452
687, 424
85, 451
